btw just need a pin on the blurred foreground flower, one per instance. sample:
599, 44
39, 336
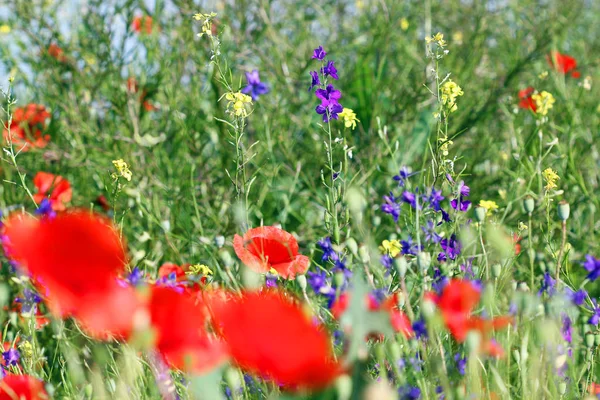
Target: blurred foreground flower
61, 190
22, 387
27, 126
563, 63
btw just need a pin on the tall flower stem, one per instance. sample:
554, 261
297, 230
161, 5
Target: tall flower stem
562, 250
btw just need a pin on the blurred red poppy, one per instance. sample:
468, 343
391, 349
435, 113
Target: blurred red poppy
269, 335
180, 322
456, 302
526, 101
177, 271
56, 52
26, 127
22, 387
268, 247
103, 202
140, 23
132, 87
61, 190
563, 63
75, 258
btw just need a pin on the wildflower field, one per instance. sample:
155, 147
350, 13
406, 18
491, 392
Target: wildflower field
283, 199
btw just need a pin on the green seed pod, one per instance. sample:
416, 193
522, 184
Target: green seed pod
226, 258
563, 210
496, 270
343, 385
89, 391
480, 213
528, 204
562, 388
352, 246
597, 339
401, 266
517, 356
423, 260
219, 241
589, 340
513, 285
301, 279
473, 342
363, 254
376, 220
339, 279
232, 377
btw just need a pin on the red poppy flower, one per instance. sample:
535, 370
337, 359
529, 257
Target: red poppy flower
132, 87
563, 63
61, 190
516, 239
142, 22
526, 101
56, 52
75, 258
103, 202
594, 388
168, 268
268, 247
26, 127
22, 387
270, 335
457, 301
180, 321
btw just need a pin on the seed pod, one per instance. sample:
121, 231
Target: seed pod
423, 260
496, 270
480, 214
352, 246
343, 384
401, 266
589, 340
528, 204
563, 210
301, 279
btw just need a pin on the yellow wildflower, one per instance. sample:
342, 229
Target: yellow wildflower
391, 247
349, 118
445, 144
237, 103
450, 91
489, 205
122, 169
206, 23
543, 75
199, 269
4, 29
522, 226
550, 176
457, 37
438, 38
404, 24
26, 349
273, 271
544, 101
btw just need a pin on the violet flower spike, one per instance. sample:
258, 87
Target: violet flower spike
255, 87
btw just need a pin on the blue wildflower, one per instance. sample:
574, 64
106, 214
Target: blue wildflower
460, 203
45, 209
135, 277
577, 297
548, 285
387, 261
315, 81
329, 107
420, 328
434, 199
461, 363
408, 392
255, 87
403, 176
595, 318
391, 207
409, 247
410, 198
330, 70
439, 281
317, 280
11, 357
319, 53
430, 234
270, 280
29, 301
451, 248
592, 265
327, 248
567, 328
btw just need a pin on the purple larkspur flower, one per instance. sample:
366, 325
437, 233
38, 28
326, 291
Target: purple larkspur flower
409, 247
408, 392
171, 282
567, 328
430, 234
327, 248
410, 198
387, 261
255, 87
595, 318
45, 209
461, 363
548, 285
270, 280
439, 281
340, 267
592, 265
329, 107
451, 248
135, 277
319, 53
330, 70
403, 176
317, 280
377, 296
315, 81
29, 301
434, 199
445, 217
577, 297
420, 328
391, 206
460, 203
11, 357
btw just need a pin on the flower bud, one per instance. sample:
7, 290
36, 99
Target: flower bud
589, 340
480, 214
496, 270
473, 342
517, 356
339, 279
226, 258
301, 279
423, 260
343, 384
376, 220
562, 388
232, 377
401, 266
352, 246
528, 204
563, 210
219, 241
597, 339
363, 254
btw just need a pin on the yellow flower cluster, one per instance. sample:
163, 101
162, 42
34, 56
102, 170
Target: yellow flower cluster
349, 118
199, 269
390, 247
550, 176
206, 23
438, 38
237, 103
544, 101
122, 169
489, 205
450, 91
404, 24
445, 144
4, 29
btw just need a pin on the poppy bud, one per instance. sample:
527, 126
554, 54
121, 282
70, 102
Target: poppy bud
597, 339
496, 270
343, 384
423, 260
401, 266
339, 279
589, 340
514, 284
363, 253
301, 279
528, 204
89, 390
219, 241
376, 220
428, 308
480, 214
563, 210
232, 377
562, 388
352, 246
226, 258
586, 329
